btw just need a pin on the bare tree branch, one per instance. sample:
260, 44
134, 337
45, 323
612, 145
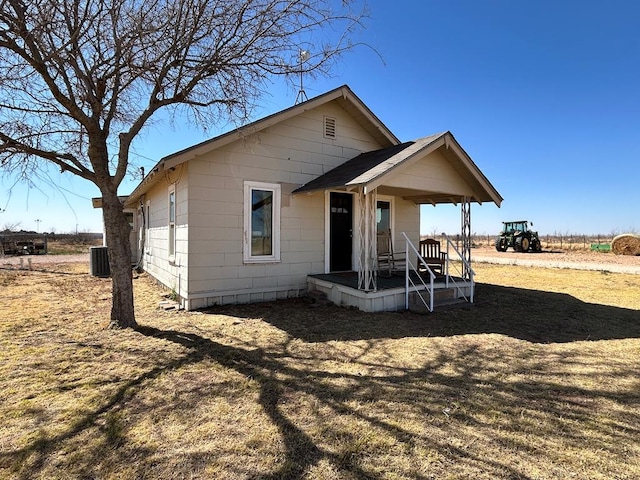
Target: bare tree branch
80, 79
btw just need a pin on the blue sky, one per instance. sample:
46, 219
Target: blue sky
544, 96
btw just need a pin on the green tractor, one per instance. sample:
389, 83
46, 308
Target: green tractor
518, 236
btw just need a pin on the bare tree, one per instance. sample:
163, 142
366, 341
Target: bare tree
10, 227
79, 79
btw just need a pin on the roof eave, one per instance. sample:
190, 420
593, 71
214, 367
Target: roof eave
343, 94
421, 151
487, 192
494, 196
97, 201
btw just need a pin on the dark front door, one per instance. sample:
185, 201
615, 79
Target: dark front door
340, 231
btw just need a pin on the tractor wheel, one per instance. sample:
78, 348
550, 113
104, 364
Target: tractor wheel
521, 244
501, 244
536, 246
517, 244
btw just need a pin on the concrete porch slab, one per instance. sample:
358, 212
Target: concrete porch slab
342, 289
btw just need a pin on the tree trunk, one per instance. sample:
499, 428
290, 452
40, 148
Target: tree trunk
117, 231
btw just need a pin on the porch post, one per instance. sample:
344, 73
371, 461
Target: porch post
367, 234
465, 209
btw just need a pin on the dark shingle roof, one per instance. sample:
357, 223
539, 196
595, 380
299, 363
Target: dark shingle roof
352, 169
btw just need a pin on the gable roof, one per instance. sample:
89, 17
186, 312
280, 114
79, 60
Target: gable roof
370, 170
343, 95
347, 174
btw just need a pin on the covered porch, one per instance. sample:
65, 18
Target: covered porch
408, 289
432, 170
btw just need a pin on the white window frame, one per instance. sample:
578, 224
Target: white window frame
355, 238
249, 187
171, 223
392, 217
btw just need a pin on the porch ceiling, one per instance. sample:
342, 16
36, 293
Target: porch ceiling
422, 196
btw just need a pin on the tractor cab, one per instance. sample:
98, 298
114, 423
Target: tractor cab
519, 226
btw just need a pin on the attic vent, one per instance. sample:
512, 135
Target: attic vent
329, 127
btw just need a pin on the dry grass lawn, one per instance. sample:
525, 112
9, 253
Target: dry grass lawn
539, 380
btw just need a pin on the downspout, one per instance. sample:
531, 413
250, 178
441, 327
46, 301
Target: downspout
142, 233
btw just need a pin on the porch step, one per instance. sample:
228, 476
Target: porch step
441, 297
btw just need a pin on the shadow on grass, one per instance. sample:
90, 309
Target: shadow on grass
457, 382
28, 461
276, 378
447, 379
531, 315
470, 384
302, 451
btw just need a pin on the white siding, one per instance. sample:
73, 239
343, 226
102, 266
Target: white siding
290, 153
433, 172
172, 274
407, 220
208, 267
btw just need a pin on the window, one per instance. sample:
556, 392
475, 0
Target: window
129, 216
261, 222
383, 216
172, 221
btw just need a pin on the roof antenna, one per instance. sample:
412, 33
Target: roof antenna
303, 56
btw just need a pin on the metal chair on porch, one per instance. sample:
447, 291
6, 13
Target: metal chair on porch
388, 260
432, 255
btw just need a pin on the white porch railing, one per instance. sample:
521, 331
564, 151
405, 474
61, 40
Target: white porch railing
462, 267
412, 252
416, 279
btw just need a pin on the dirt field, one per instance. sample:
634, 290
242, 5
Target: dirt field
573, 259
38, 262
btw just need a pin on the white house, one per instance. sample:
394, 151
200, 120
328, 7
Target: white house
253, 214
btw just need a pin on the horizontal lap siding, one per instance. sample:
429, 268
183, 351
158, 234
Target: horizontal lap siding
290, 153
433, 172
173, 274
407, 220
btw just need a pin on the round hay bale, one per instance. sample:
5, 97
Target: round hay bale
626, 244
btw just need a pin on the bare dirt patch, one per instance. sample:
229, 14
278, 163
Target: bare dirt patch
575, 259
43, 260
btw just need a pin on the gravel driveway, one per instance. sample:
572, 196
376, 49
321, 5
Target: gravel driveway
14, 261
577, 260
